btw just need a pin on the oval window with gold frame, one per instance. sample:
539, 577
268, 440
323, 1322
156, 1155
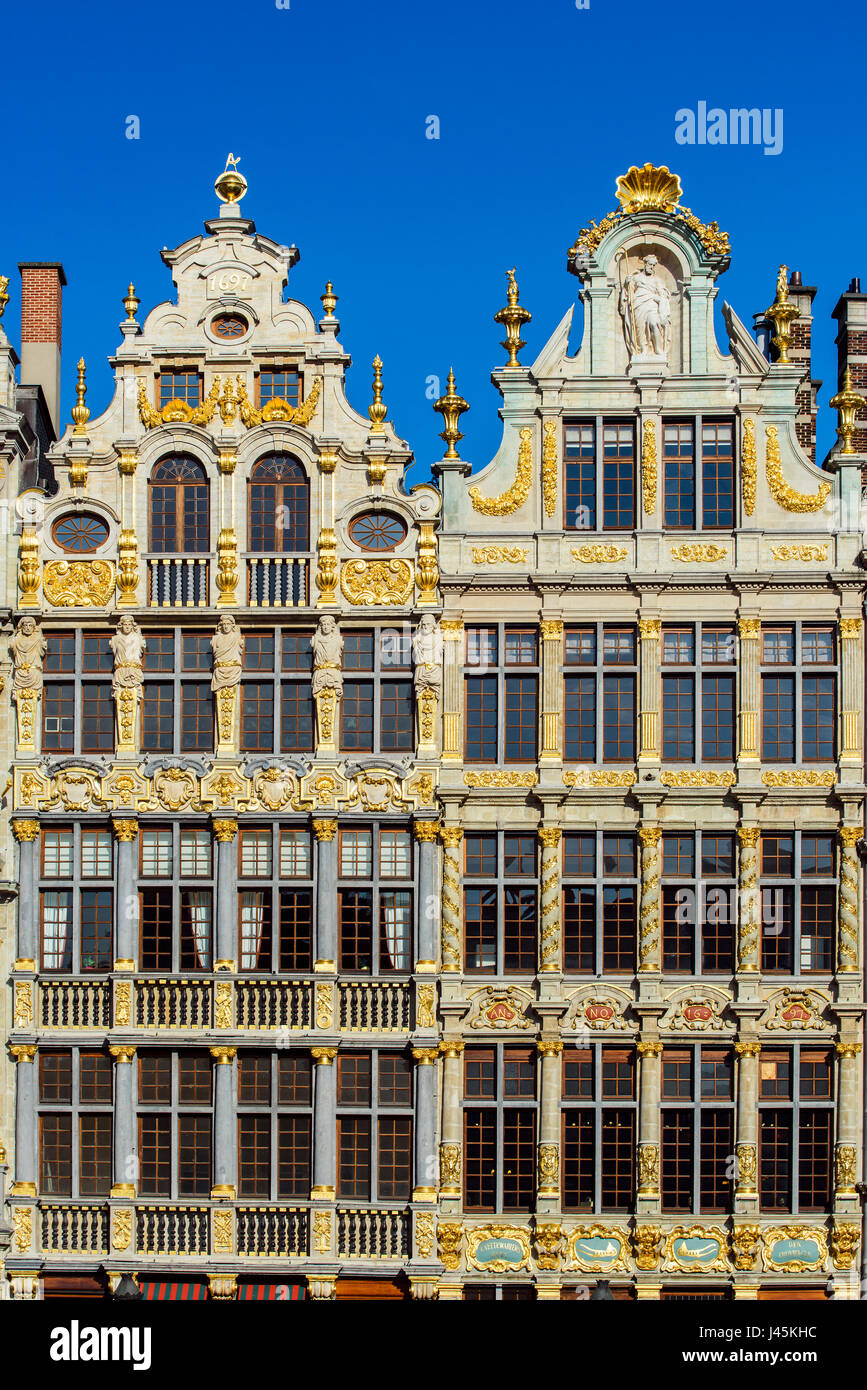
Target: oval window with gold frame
229, 326
80, 532
377, 530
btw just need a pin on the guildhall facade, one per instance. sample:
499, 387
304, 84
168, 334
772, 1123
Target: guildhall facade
358, 944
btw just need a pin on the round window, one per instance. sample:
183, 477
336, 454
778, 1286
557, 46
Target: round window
229, 326
80, 533
377, 530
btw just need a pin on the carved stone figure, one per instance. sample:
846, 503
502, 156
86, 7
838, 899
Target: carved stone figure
645, 303
327, 647
427, 655
227, 644
28, 648
128, 646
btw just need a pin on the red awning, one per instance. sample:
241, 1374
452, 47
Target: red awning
271, 1293
157, 1290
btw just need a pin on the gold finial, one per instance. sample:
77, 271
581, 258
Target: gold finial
451, 407
231, 186
512, 317
80, 412
781, 314
131, 303
847, 402
329, 300
4, 298
379, 409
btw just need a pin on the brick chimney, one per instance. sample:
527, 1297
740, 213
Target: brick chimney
41, 304
801, 351
851, 315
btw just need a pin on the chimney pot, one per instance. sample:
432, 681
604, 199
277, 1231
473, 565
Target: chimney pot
41, 314
795, 278
855, 285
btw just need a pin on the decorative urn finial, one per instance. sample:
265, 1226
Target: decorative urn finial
80, 412
231, 186
378, 410
451, 407
329, 300
781, 314
131, 303
847, 402
513, 317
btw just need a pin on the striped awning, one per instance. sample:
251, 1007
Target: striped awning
271, 1293
169, 1290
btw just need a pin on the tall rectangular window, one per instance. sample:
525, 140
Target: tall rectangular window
374, 1126
375, 900
618, 476
799, 692
175, 1119
500, 1124
501, 685
679, 475
74, 1123
796, 1129
579, 471
799, 902
500, 903
717, 474
697, 1129
598, 1129
274, 1124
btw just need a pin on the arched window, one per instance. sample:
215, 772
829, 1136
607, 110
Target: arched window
279, 505
178, 507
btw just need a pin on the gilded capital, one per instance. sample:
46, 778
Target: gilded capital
452, 629
847, 1049
451, 835
23, 1052
25, 829
127, 462
223, 1056
749, 627
225, 830
122, 1054
850, 835
425, 1056
549, 1047
452, 1047
749, 836
552, 629
649, 1049
426, 830
649, 628
748, 1049
323, 1056
325, 829
649, 835
850, 628
550, 836
124, 829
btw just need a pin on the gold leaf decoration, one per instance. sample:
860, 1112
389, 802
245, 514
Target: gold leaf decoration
515, 496
599, 554
785, 496
376, 581
549, 466
648, 465
748, 466
648, 188
78, 583
799, 552
499, 555
695, 554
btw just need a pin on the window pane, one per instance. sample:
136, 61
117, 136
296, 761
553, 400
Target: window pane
579, 469
195, 853
717, 471
395, 1079
294, 854
580, 646
96, 856
256, 853
57, 853
395, 854
395, 930
618, 716
255, 931
579, 718
95, 1078
353, 1078
679, 475
481, 855
356, 853
678, 718
778, 718
618, 477
96, 928
156, 853
158, 717
55, 1077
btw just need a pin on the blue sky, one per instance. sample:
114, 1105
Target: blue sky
540, 106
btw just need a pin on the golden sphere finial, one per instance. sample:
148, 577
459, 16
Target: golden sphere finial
231, 186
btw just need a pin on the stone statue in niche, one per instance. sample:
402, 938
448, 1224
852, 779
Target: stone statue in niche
645, 305
327, 645
227, 644
427, 655
129, 647
28, 648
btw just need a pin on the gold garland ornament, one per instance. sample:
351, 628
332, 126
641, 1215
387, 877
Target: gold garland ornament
785, 496
650, 189
515, 496
549, 466
648, 465
749, 471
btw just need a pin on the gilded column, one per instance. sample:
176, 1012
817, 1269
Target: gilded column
125, 1147
451, 1146
452, 914
848, 1095
225, 1128
225, 947
26, 1129
851, 688
425, 1124
650, 1053
549, 915
227, 541
326, 895
324, 1124
649, 631
548, 1191
748, 1051
749, 630
127, 541
453, 636
126, 909
552, 690
428, 905
849, 931
326, 565
749, 898
648, 925
26, 833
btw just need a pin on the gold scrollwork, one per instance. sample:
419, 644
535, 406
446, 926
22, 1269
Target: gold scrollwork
549, 466
500, 779
799, 552
78, 583
376, 581
586, 777
698, 554
506, 1263
749, 471
799, 777
787, 497
515, 496
649, 467
697, 778
599, 554
499, 555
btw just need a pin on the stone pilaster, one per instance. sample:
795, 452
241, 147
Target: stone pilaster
846, 1149
548, 1191
549, 912
425, 1124
851, 688
225, 1127
26, 833
325, 945
451, 1145
649, 631
428, 904
749, 899
649, 1086
126, 703
453, 739
226, 943
649, 938
126, 927
125, 1147
452, 911
26, 1160
227, 707
551, 747
324, 1124
849, 930
748, 1052
749, 630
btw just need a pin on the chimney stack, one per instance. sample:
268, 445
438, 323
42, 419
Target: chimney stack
41, 305
851, 315
801, 351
